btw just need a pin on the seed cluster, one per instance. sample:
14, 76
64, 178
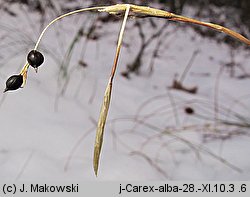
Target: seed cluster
35, 59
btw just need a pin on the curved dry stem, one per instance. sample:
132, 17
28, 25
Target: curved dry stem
63, 16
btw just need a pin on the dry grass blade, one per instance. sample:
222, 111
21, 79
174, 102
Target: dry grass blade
153, 12
106, 101
100, 127
213, 26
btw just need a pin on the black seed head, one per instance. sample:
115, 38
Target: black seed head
14, 82
189, 110
35, 58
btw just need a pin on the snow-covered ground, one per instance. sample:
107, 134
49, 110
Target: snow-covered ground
148, 134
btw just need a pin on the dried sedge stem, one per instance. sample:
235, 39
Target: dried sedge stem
63, 16
26, 66
107, 97
188, 67
119, 44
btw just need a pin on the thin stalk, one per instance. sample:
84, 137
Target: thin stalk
190, 63
63, 16
119, 44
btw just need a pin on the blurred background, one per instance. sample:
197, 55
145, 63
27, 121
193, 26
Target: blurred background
180, 104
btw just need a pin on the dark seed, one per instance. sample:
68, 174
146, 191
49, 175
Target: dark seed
14, 82
35, 58
189, 110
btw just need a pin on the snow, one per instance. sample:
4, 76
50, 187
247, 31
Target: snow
36, 137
